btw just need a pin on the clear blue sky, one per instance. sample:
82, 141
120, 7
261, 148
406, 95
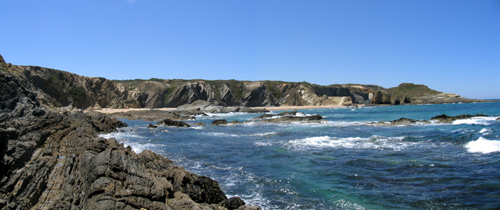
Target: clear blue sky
451, 46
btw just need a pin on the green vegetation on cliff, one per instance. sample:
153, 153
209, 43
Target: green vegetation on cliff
412, 90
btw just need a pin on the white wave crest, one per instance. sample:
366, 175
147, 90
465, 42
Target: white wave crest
485, 131
483, 145
120, 135
373, 142
241, 135
476, 121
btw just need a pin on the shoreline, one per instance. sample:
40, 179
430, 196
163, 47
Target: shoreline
272, 108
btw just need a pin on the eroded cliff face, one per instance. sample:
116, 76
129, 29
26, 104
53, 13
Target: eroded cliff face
50, 160
56, 88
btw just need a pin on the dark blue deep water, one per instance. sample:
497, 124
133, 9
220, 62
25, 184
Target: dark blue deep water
343, 164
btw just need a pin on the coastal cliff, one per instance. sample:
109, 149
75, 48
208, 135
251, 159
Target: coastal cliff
56, 89
50, 160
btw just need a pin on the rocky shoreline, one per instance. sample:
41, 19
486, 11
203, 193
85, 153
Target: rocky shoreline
52, 160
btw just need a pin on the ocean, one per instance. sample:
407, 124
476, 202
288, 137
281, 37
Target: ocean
342, 163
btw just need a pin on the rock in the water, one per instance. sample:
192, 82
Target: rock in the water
235, 122
169, 122
232, 203
152, 126
199, 124
219, 122
449, 119
289, 117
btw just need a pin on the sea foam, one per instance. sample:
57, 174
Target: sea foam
476, 121
483, 145
373, 142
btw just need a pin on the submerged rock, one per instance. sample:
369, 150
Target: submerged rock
199, 124
169, 122
219, 122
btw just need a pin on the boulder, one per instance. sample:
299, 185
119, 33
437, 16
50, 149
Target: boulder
219, 122
169, 122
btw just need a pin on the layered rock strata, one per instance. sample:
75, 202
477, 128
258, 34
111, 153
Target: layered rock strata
62, 90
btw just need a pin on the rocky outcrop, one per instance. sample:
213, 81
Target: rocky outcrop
149, 94
169, 122
219, 122
449, 119
409, 93
384, 97
57, 161
437, 119
190, 92
289, 117
258, 95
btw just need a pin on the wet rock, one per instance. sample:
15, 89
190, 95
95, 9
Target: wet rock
289, 117
199, 124
232, 203
219, 122
152, 126
169, 122
449, 119
235, 122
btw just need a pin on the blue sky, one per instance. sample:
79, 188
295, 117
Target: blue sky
451, 46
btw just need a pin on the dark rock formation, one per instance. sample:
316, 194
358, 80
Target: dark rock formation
401, 121
449, 119
235, 122
232, 203
169, 122
438, 119
57, 161
152, 126
289, 117
219, 122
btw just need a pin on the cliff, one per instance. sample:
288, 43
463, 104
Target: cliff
56, 89
409, 93
50, 160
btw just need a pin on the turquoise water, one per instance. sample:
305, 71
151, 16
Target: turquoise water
343, 164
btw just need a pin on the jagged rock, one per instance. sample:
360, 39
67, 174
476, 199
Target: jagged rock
219, 122
232, 203
152, 126
57, 161
189, 93
169, 122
